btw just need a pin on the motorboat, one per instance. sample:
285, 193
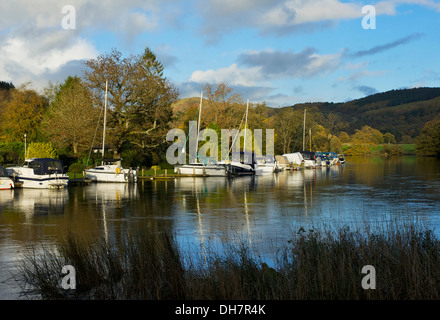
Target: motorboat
309, 159
111, 171
41, 173
209, 168
267, 164
6, 182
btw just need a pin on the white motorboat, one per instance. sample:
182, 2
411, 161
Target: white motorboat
6, 182
111, 171
41, 173
267, 164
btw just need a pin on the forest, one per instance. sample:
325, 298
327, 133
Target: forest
65, 120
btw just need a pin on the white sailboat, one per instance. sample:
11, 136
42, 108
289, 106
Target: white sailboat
110, 170
209, 168
246, 164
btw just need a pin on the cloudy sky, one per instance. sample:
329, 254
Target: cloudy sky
278, 51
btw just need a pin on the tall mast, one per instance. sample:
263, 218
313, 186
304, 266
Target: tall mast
198, 125
245, 126
105, 120
304, 130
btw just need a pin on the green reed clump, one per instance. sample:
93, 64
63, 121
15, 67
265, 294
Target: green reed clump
315, 264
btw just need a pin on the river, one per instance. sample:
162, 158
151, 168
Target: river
262, 211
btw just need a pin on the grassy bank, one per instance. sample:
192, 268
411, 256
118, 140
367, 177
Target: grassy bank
379, 149
315, 264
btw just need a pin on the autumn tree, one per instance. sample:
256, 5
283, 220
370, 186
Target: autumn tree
41, 150
22, 114
72, 119
139, 98
428, 142
288, 124
368, 135
225, 108
389, 138
333, 124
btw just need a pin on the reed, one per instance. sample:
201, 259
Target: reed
317, 263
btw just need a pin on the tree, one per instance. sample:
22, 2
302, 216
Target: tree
288, 123
224, 108
368, 135
333, 124
428, 142
389, 138
139, 98
22, 114
72, 119
344, 137
41, 150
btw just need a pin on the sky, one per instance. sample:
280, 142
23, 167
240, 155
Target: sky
280, 52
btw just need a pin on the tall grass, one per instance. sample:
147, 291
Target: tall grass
316, 263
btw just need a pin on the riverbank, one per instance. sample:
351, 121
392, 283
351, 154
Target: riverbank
388, 261
380, 149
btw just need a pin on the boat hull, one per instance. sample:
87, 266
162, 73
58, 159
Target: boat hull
43, 182
202, 170
120, 176
6, 183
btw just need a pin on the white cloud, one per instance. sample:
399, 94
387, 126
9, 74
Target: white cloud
34, 44
260, 68
233, 75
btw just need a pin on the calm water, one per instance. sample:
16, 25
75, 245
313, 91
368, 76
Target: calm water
262, 211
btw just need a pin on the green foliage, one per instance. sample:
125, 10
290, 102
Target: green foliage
41, 150
21, 115
402, 113
71, 119
389, 138
11, 152
368, 135
139, 95
393, 150
428, 143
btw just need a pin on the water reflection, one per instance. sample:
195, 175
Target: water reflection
261, 211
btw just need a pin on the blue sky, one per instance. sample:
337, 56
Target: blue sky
278, 51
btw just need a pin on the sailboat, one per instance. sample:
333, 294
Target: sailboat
210, 167
110, 170
247, 163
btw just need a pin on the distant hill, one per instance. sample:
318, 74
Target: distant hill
401, 112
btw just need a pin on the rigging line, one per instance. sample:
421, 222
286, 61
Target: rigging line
96, 130
184, 146
233, 142
299, 132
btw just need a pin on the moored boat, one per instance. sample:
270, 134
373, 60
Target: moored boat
41, 173
6, 182
111, 171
